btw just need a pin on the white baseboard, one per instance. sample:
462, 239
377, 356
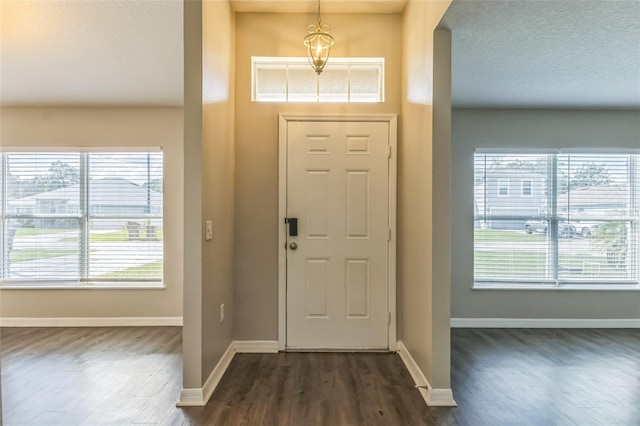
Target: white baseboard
199, 397
92, 322
432, 397
256, 346
543, 323
191, 398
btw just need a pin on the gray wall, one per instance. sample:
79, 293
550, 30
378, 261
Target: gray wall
473, 129
256, 146
423, 290
112, 128
209, 186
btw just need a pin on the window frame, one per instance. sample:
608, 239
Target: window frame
500, 186
84, 218
522, 186
553, 217
287, 63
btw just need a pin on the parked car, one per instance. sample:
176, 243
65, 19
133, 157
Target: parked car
565, 230
584, 229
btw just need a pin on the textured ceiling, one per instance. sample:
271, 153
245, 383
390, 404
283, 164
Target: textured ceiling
91, 52
525, 53
514, 53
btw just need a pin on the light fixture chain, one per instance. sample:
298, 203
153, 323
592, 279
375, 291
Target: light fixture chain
318, 43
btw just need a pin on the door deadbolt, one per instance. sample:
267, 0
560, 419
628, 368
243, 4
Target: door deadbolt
293, 246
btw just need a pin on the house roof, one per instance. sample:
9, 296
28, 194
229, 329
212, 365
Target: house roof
595, 195
111, 191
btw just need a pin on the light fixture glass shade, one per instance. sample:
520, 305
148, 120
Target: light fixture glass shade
318, 43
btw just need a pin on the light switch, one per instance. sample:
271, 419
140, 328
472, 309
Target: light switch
208, 233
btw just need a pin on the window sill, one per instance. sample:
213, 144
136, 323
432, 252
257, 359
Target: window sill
86, 286
562, 287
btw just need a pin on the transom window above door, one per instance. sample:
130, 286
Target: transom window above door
344, 80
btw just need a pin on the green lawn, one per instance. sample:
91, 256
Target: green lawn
528, 261
150, 270
28, 232
510, 264
114, 237
496, 235
24, 255
522, 264
122, 236
111, 237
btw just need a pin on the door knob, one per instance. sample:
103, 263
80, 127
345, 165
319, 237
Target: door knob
293, 246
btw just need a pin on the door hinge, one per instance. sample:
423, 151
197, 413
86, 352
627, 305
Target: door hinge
389, 236
389, 151
389, 318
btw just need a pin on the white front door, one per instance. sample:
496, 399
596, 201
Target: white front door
337, 273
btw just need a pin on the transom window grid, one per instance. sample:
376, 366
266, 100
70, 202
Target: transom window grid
78, 218
344, 80
576, 224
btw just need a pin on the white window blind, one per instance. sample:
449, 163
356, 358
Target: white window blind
81, 217
276, 79
575, 219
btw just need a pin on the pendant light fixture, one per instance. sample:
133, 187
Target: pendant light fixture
318, 43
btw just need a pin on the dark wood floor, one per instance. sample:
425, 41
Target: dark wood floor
500, 377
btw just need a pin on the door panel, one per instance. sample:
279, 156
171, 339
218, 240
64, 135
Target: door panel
338, 277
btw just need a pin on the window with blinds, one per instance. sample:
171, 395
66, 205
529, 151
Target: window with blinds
556, 218
293, 80
74, 218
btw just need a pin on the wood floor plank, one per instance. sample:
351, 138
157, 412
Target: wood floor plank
96, 376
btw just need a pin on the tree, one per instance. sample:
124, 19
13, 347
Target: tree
610, 238
14, 186
154, 184
62, 175
587, 175
590, 174
537, 166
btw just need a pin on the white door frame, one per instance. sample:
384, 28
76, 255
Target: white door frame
392, 119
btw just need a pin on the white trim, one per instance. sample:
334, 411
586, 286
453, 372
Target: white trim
256, 346
283, 119
218, 371
191, 398
199, 397
530, 194
508, 187
87, 285
282, 232
92, 322
432, 397
89, 149
440, 398
543, 323
393, 203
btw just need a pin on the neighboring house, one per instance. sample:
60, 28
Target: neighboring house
107, 196
509, 192
595, 201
